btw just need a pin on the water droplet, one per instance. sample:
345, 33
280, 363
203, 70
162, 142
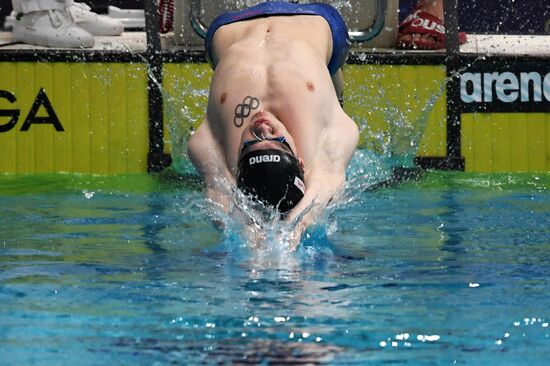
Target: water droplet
88, 195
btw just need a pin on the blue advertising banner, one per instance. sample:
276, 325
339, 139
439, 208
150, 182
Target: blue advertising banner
505, 85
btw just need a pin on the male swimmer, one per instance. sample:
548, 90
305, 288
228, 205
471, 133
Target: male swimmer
274, 128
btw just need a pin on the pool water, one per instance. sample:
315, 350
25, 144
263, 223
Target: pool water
450, 269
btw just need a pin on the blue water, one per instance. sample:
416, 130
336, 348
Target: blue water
451, 269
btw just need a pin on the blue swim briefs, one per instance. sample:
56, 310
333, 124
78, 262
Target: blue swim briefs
340, 38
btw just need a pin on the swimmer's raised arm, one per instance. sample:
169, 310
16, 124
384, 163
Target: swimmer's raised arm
312, 207
205, 154
338, 82
326, 181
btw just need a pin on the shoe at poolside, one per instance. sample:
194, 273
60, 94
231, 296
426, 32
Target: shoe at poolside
429, 30
130, 18
166, 16
95, 24
50, 28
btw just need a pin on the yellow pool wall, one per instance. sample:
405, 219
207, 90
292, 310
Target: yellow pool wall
103, 108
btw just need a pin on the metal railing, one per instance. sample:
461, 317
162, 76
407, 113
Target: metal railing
356, 36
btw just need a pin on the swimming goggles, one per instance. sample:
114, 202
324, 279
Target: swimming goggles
280, 139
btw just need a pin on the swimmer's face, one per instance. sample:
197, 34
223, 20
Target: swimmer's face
265, 126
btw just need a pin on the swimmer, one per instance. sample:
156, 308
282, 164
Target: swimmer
274, 128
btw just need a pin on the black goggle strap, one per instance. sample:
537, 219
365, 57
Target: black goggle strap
280, 139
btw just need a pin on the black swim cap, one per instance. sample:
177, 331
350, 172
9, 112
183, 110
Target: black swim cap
273, 176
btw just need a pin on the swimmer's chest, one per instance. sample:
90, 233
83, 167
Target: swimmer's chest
291, 92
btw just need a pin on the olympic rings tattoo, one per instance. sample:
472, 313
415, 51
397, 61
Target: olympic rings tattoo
243, 110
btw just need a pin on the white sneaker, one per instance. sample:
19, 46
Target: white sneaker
95, 24
130, 18
9, 21
50, 28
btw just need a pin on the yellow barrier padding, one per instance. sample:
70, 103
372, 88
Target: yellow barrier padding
93, 117
506, 142
101, 107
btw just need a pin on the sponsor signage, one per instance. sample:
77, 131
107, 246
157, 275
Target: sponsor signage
9, 117
505, 85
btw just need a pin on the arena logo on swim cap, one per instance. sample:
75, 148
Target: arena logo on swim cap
264, 159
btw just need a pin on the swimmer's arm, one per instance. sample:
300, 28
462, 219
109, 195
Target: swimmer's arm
338, 82
313, 205
203, 151
327, 180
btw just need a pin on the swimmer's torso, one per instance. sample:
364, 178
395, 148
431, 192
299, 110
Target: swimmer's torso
281, 62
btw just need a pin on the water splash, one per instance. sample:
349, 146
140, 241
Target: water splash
181, 101
182, 118
388, 128
248, 225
